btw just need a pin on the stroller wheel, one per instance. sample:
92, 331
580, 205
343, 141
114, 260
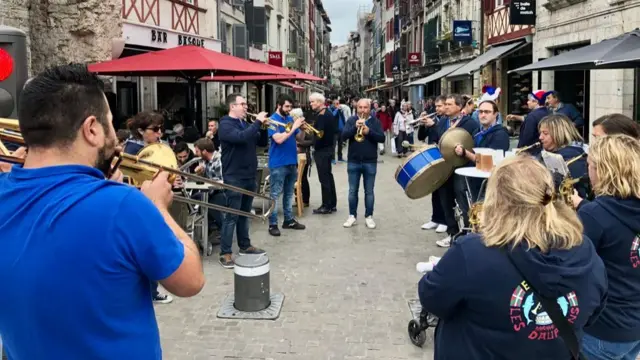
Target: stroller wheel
417, 336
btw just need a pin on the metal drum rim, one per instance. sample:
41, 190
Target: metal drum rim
415, 176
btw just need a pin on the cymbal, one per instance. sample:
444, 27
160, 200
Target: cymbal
448, 142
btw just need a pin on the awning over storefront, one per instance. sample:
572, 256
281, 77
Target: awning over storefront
294, 87
615, 53
380, 87
444, 71
488, 56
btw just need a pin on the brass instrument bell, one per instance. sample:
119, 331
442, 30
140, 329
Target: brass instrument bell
359, 136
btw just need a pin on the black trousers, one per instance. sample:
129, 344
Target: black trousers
306, 191
322, 159
437, 214
454, 190
340, 144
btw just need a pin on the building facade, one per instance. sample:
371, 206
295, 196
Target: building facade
561, 27
339, 63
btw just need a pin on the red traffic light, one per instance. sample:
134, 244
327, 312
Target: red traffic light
6, 65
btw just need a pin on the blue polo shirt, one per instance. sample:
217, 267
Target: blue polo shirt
287, 152
77, 253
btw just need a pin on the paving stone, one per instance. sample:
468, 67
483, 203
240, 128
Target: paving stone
346, 290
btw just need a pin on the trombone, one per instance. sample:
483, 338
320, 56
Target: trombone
154, 158
287, 127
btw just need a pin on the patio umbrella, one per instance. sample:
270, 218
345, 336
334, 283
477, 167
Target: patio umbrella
597, 56
188, 62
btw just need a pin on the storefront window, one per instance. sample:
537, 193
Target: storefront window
518, 86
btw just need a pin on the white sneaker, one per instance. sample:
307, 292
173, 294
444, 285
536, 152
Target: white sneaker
350, 221
445, 243
441, 229
370, 223
429, 226
424, 267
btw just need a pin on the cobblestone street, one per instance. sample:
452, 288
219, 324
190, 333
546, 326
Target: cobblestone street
346, 290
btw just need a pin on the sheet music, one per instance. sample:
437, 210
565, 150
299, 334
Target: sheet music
555, 163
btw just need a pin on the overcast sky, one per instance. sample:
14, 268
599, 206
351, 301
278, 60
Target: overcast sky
343, 16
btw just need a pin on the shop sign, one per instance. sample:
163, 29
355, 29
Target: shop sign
141, 35
462, 31
275, 58
395, 69
415, 58
522, 12
291, 59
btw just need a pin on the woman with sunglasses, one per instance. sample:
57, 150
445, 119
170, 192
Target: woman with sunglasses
145, 129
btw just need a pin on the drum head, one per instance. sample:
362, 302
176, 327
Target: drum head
429, 180
448, 142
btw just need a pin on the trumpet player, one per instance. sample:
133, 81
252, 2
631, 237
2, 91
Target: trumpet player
362, 160
238, 143
324, 152
283, 163
78, 251
612, 223
529, 129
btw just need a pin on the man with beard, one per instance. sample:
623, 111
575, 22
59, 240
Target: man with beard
77, 250
283, 163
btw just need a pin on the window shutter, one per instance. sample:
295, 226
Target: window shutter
240, 48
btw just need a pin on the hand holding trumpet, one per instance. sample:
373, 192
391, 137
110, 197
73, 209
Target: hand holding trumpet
362, 124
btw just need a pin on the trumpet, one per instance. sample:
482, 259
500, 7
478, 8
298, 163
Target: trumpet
359, 137
518, 151
418, 122
310, 129
265, 125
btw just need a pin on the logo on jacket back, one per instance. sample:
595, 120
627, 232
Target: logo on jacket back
635, 254
526, 313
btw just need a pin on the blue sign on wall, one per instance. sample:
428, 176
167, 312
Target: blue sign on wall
462, 31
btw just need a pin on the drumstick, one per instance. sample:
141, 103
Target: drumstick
406, 144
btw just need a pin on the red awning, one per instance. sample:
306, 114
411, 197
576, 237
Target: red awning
183, 61
248, 78
293, 86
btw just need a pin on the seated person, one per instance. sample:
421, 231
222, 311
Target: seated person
184, 155
211, 168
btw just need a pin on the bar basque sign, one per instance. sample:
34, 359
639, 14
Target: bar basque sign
522, 12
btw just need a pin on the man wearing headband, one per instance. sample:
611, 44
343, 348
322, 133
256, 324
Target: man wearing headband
529, 134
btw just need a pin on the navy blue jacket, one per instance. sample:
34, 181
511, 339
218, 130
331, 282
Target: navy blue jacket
238, 142
613, 225
529, 133
366, 151
572, 113
466, 122
433, 133
496, 138
487, 310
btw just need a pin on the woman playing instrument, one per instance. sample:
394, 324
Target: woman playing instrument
558, 135
401, 129
612, 222
483, 289
145, 128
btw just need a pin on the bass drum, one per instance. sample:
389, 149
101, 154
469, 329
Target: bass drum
423, 172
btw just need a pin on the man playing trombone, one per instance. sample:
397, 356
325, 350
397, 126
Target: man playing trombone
283, 162
238, 143
78, 251
364, 132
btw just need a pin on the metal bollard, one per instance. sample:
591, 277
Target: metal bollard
251, 283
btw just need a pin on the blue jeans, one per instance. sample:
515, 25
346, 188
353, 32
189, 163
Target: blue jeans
596, 349
231, 222
281, 181
368, 172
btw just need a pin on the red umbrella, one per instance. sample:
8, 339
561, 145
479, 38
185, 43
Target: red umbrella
248, 78
191, 62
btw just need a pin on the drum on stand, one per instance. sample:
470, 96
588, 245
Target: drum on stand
423, 172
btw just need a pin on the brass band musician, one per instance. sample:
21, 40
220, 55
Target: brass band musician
78, 251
